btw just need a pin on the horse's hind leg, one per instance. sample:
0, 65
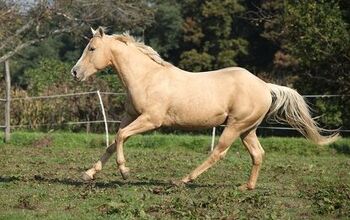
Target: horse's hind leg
90, 173
226, 139
251, 142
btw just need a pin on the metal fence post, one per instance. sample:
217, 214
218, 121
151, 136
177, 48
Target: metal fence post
8, 101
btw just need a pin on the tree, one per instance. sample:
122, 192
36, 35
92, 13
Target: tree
25, 24
60, 28
312, 37
165, 33
322, 52
313, 47
210, 38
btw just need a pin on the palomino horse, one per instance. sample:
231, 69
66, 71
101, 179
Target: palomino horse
160, 94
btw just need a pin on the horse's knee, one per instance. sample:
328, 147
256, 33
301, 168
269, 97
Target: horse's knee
257, 157
120, 161
120, 136
217, 154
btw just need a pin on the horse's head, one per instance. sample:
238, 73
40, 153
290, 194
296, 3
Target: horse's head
96, 56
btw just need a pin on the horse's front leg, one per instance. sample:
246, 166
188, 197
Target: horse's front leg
142, 124
90, 173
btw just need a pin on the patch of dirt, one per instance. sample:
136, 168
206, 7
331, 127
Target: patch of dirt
69, 207
46, 141
24, 203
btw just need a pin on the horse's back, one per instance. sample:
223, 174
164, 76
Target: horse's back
230, 82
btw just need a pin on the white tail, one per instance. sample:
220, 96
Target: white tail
288, 106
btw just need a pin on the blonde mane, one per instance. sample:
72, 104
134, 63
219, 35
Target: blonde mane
147, 50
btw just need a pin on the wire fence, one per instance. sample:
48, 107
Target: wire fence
123, 94
323, 96
68, 123
98, 93
62, 95
107, 121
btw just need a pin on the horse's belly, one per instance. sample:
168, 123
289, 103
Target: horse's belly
195, 118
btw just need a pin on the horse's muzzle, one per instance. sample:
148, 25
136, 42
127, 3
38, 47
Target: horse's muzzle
74, 73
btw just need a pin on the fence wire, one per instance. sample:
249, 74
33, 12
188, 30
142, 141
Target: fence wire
53, 96
67, 123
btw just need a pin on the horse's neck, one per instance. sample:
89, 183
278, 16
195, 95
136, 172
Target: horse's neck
135, 70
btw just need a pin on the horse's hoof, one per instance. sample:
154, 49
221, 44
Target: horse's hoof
125, 173
178, 183
86, 177
245, 187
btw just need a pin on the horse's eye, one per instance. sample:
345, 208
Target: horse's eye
91, 49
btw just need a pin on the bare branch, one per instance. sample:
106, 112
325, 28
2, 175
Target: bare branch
68, 17
24, 28
34, 41
17, 49
48, 19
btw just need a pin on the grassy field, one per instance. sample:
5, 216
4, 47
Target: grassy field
40, 178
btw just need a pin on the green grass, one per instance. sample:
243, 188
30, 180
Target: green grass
40, 178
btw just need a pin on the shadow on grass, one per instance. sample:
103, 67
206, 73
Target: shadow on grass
343, 148
7, 179
100, 184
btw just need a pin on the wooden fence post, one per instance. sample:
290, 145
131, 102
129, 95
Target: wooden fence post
8, 101
212, 139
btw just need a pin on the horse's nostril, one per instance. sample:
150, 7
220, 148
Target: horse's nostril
74, 72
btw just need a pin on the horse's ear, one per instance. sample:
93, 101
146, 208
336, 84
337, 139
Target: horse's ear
93, 31
100, 31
